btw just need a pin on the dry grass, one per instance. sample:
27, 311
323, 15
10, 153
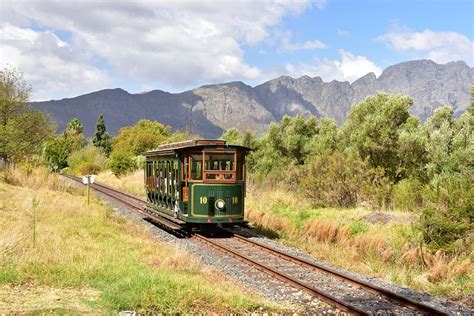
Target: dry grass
389, 250
86, 260
33, 298
131, 183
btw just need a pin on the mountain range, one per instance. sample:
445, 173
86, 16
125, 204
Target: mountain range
209, 110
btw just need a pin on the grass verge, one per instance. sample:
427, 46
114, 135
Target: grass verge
132, 183
84, 260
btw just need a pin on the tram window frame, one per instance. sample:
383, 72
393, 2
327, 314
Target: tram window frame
198, 159
221, 175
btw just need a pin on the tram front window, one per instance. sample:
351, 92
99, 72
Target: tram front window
219, 166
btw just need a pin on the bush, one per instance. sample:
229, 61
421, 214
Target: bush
334, 180
87, 160
408, 194
447, 221
121, 163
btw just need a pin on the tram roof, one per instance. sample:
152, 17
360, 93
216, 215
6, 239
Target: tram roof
193, 143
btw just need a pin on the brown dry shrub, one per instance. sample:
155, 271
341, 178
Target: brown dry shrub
325, 231
410, 255
370, 244
438, 267
458, 269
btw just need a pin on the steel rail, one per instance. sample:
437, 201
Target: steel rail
323, 296
107, 187
366, 285
118, 195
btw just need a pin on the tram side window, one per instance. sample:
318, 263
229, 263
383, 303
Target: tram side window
240, 165
148, 175
185, 168
196, 167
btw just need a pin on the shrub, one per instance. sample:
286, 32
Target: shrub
121, 163
87, 160
446, 221
334, 180
408, 194
88, 168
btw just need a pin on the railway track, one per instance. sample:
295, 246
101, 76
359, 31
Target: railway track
345, 292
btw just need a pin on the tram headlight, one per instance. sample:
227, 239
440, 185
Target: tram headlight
220, 204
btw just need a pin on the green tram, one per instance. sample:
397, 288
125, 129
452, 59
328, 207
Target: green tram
197, 182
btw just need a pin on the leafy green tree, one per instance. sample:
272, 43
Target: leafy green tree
74, 127
121, 162
22, 129
325, 140
373, 130
132, 141
448, 215
440, 133
284, 144
249, 140
87, 160
74, 133
57, 150
232, 136
143, 136
411, 153
101, 137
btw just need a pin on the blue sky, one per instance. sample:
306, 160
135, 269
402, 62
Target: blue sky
360, 23
67, 48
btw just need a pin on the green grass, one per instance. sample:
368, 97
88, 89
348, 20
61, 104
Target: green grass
86, 248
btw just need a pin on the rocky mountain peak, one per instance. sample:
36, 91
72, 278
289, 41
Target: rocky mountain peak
210, 109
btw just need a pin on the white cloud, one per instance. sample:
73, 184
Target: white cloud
176, 43
51, 66
441, 47
349, 68
343, 33
288, 46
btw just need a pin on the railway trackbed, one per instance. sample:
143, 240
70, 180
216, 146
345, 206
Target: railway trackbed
335, 288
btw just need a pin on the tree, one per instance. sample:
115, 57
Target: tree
57, 149
133, 140
373, 130
325, 140
232, 136
101, 136
22, 129
74, 127
144, 135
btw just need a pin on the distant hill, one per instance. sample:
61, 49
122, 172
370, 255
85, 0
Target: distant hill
208, 110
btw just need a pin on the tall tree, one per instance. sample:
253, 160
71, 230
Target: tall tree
74, 127
101, 136
58, 149
22, 129
373, 130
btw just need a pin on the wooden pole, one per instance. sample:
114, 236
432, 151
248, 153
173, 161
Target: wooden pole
88, 190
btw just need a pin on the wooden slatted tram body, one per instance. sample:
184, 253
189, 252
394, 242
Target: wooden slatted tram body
197, 182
